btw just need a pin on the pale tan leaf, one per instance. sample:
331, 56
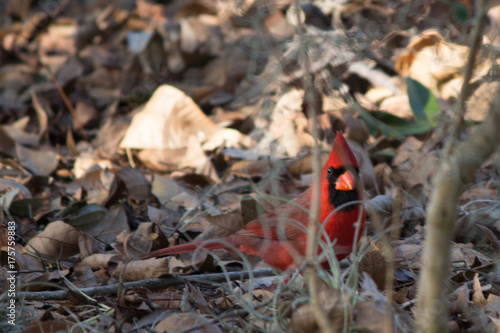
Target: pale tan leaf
58, 241
41, 114
179, 322
142, 269
18, 133
479, 103
335, 304
478, 297
167, 121
221, 226
98, 260
87, 162
165, 188
372, 317
195, 158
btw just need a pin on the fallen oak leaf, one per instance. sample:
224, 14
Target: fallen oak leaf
495, 243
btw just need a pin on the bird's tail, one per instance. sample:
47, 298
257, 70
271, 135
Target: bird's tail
184, 248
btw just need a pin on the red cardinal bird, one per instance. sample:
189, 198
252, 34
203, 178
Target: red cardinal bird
279, 236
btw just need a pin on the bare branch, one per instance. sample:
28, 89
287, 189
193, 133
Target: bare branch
152, 284
455, 172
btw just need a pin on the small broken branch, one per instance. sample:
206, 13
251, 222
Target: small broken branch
455, 172
152, 284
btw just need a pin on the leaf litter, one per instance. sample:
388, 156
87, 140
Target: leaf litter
128, 127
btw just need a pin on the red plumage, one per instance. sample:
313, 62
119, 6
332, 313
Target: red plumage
279, 236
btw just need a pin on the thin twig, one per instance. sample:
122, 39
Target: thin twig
311, 246
459, 107
152, 284
68, 104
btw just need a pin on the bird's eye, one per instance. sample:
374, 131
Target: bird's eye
330, 170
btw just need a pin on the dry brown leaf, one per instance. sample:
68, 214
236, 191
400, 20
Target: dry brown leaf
378, 94
431, 61
371, 316
196, 297
164, 189
58, 241
54, 325
34, 266
201, 34
366, 171
415, 166
83, 277
408, 255
250, 209
221, 226
138, 187
169, 118
178, 322
286, 114
398, 106
86, 162
335, 304
356, 130
98, 260
41, 114
114, 222
479, 103
465, 253
195, 158
381, 204
406, 150
295, 139
17, 131
188, 263
163, 160
256, 168
303, 165
477, 296
7, 144
42, 161
136, 244
375, 264
142, 269
495, 242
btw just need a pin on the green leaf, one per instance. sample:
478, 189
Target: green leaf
87, 216
423, 102
374, 124
461, 11
26, 207
392, 125
72, 208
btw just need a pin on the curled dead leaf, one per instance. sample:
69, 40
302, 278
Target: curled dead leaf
98, 260
58, 241
142, 269
137, 244
381, 204
179, 322
478, 297
169, 118
221, 226
335, 304
375, 265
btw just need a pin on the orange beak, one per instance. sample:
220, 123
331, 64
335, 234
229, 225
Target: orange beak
345, 182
